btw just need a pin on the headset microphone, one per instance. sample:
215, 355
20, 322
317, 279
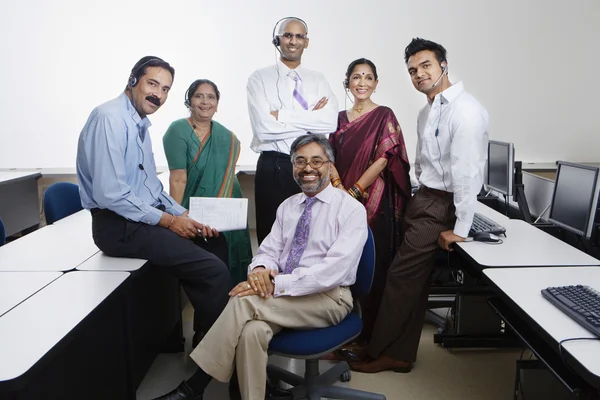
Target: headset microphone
140, 166
444, 71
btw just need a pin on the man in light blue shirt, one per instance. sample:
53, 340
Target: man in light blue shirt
132, 216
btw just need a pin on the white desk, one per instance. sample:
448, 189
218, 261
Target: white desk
525, 246
16, 287
80, 220
523, 286
35, 326
102, 262
52, 248
19, 201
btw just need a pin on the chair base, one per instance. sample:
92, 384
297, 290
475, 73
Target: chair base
314, 385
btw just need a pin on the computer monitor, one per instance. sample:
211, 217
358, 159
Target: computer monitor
500, 167
575, 197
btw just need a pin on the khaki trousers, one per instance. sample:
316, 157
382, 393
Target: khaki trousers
240, 337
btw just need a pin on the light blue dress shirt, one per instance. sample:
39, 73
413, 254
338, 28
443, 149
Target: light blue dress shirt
112, 145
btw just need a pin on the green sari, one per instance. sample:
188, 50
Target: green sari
210, 173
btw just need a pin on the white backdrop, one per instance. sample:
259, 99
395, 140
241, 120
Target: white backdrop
532, 63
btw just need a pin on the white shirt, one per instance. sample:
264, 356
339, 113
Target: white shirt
338, 232
453, 161
271, 89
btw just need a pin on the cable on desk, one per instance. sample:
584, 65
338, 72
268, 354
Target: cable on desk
560, 347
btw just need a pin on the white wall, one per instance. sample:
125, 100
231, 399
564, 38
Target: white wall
532, 63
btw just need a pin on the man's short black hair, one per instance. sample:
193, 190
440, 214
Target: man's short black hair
420, 44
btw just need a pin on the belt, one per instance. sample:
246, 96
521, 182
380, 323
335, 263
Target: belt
96, 211
437, 192
274, 154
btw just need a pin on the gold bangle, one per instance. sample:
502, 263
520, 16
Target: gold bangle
171, 222
336, 182
360, 188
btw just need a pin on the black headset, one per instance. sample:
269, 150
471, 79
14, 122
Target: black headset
276, 42
138, 70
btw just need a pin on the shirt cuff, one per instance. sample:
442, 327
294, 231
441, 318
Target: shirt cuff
176, 209
283, 284
261, 263
284, 116
461, 228
153, 217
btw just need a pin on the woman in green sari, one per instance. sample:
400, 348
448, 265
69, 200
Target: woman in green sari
202, 155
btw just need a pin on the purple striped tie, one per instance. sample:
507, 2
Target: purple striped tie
300, 237
298, 89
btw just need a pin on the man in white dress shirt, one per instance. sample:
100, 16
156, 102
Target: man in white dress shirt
451, 155
285, 101
299, 278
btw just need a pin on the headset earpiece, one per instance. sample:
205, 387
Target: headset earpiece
346, 83
276, 41
132, 81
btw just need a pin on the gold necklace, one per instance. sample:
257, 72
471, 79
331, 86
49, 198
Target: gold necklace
358, 109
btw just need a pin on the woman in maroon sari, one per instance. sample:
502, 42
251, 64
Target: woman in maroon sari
371, 163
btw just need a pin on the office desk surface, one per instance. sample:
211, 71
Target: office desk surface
16, 287
523, 286
80, 220
35, 326
102, 262
525, 246
15, 176
52, 248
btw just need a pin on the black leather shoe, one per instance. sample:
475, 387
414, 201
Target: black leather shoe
182, 392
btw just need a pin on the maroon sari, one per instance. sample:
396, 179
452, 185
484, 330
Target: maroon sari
357, 145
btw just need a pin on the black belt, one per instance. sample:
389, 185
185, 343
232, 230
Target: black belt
274, 154
95, 211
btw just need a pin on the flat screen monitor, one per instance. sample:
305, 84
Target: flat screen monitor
575, 197
500, 167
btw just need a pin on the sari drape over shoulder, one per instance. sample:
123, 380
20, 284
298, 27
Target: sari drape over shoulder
210, 170
359, 143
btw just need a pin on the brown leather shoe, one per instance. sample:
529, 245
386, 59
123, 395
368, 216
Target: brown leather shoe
382, 363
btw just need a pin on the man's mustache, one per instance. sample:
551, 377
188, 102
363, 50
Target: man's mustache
154, 100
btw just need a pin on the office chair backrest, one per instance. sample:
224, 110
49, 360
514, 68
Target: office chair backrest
366, 269
61, 200
2, 233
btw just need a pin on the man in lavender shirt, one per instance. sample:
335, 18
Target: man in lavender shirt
299, 278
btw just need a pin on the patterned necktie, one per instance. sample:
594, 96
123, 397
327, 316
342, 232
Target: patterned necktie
300, 237
298, 90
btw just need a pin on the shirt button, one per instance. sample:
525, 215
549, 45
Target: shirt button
281, 291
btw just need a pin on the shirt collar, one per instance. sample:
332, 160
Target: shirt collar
452, 93
284, 70
142, 123
325, 195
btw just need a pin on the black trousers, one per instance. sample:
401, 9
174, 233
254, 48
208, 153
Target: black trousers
203, 275
273, 183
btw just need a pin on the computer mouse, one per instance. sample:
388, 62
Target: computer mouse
485, 237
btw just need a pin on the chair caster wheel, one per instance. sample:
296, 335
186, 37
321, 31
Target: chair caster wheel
346, 376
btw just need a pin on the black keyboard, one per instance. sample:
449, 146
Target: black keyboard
484, 224
581, 303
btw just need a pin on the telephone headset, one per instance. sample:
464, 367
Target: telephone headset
276, 41
134, 77
437, 129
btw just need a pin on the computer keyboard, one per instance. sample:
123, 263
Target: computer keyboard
484, 224
581, 303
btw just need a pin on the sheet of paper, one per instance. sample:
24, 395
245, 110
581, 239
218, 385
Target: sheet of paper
223, 214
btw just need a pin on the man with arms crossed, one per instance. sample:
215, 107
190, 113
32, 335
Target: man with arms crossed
451, 155
299, 279
131, 214
285, 101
